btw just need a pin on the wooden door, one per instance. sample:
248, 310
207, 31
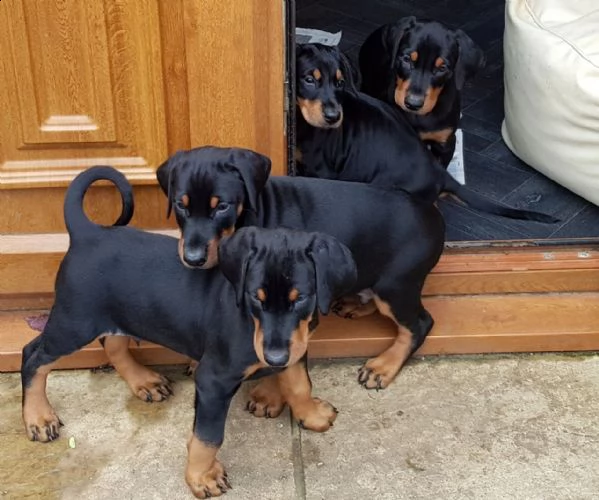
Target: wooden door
124, 83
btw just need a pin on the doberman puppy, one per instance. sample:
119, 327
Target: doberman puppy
395, 240
347, 135
122, 281
421, 66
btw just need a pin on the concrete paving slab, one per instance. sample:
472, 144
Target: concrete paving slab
514, 427
128, 449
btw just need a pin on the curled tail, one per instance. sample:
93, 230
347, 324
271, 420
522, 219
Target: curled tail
480, 202
74, 216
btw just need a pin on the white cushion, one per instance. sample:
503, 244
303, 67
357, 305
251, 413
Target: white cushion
551, 53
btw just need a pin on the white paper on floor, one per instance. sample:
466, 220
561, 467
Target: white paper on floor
309, 35
456, 166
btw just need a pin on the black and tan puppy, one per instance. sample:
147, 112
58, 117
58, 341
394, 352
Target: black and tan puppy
421, 66
371, 141
395, 240
122, 281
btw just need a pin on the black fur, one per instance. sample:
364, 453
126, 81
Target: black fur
373, 143
120, 280
387, 54
395, 240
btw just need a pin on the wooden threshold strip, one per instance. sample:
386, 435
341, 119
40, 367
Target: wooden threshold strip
28, 266
465, 324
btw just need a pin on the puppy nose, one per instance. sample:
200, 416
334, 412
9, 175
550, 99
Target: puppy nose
414, 102
276, 357
196, 257
331, 115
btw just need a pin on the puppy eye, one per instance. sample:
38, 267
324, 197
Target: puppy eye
407, 58
309, 80
340, 84
222, 206
441, 69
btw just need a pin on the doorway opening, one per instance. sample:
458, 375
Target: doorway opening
489, 166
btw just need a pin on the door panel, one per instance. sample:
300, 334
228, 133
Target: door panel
236, 70
83, 85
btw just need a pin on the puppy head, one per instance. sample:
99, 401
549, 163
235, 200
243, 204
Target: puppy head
323, 76
208, 188
282, 278
425, 57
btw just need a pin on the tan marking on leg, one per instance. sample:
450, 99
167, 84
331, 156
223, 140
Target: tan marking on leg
266, 399
311, 413
352, 307
144, 383
378, 373
205, 475
440, 136
41, 422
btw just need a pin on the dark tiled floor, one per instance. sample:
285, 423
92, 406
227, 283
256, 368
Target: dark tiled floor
490, 167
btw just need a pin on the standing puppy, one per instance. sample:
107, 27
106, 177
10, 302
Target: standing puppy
394, 239
122, 281
421, 66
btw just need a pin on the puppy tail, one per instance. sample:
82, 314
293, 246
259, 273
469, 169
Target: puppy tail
480, 202
74, 216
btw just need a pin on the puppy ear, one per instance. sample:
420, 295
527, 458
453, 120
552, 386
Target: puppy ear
335, 270
350, 72
254, 169
470, 59
234, 256
392, 36
166, 179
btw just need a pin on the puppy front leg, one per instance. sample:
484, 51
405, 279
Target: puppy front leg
205, 475
311, 413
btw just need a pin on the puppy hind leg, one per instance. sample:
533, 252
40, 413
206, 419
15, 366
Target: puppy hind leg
41, 422
144, 383
39, 356
413, 325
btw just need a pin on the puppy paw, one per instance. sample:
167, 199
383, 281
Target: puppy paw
41, 424
315, 415
191, 368
353, 308
265, 401
377, 373
208, 483
150, 386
